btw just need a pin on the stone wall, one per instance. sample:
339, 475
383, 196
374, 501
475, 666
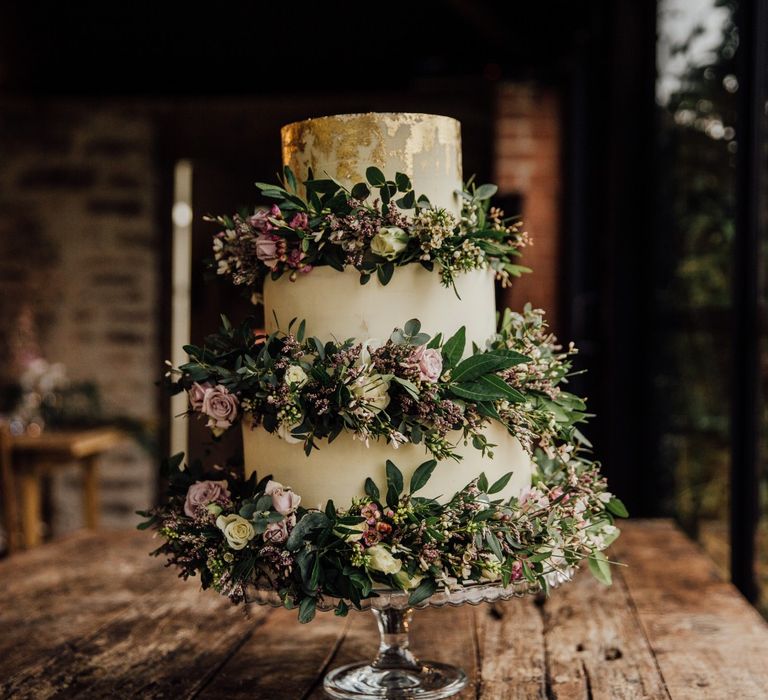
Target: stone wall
528, 163
79, 244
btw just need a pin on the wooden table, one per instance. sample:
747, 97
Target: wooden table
92, 616
33, 458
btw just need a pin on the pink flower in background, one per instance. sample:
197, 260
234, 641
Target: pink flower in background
201, 494
266, 250
299, 221
284, 500
260, 219
196, 394
517, 571
430, 363
220, 405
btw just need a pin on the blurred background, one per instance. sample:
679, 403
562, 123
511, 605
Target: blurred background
630, 135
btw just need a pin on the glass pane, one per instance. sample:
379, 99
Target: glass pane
692, 262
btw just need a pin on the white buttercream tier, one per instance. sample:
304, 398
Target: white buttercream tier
427, 147
336, 306
338, 470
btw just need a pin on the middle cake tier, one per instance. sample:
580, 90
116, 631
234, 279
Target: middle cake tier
335, 305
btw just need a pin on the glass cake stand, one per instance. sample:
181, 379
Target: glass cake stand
396, 673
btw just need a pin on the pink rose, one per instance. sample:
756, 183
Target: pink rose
299, 221
220, 405
261, 219
201, 494
277, 533
284, 500
266, 250
196, 395
430, 363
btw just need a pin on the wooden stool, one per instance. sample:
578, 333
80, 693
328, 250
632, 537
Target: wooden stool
36, 457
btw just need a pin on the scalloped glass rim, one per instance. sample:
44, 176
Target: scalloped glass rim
388, 599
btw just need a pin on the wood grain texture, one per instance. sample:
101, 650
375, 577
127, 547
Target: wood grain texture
92, 616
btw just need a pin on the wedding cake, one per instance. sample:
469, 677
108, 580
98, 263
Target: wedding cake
335, 305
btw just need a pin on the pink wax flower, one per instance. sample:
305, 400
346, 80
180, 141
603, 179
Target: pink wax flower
299, 221
517, 571
261, 219
201, 494
196, 394
267, 250
220, 405
284, 500
429, 362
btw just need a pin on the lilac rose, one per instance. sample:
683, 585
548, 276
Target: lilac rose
196, 395
202, 494
429, 362
284, 500
261, 219
266, 250
221, 407
277, 533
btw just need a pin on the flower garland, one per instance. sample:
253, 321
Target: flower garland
237, 533
335, 226
413, 388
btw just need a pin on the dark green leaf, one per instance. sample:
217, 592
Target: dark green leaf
424, 590
371, 489
360, 191
421, 476
375, 177
311, 521
407, 201
385, 272
412, 327
454, 348
394, 484
499, 484
307, 610
403, 182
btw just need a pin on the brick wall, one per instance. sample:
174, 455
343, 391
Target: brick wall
528, 162
79, 244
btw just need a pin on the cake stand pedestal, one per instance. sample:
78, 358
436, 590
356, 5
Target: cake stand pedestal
396, 673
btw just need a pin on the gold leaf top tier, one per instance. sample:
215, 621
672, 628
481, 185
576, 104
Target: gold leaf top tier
426, 147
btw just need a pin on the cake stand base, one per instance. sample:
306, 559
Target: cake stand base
395, 673
361, 680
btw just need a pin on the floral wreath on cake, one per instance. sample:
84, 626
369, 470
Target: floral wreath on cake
236, 533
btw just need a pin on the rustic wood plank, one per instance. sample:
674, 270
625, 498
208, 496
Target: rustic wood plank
512, 653
449, 635
595, 645
282, 659
708, 641
168, 643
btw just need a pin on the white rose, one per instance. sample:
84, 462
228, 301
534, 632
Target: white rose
407, 582
373, 391
389, 242
295, 377
381, 559
237, 530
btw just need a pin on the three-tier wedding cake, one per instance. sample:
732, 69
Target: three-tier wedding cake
335, 305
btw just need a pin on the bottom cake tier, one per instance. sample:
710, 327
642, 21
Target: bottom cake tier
338, 470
